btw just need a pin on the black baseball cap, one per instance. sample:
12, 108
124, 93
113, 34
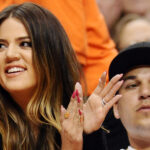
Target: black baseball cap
131, 57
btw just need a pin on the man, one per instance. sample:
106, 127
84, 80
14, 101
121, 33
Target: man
133, 108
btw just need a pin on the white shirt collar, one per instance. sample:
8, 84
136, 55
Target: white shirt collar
130, 148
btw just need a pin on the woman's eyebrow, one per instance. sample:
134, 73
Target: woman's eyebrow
19, 38
23, 38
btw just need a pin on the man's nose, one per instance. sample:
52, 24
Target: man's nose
144, 91
12, 54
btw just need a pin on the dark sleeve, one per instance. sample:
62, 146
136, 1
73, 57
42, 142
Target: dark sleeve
100, 140
117, 138
1, 142
94, 141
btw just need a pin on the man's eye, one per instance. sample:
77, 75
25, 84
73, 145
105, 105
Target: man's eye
26, 44
2, 46
131, 86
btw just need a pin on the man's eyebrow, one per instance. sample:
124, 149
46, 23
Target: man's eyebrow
1, 40
129, 78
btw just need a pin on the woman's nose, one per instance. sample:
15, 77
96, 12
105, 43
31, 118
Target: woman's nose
12, 54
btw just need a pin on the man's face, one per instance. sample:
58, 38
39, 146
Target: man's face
134, 107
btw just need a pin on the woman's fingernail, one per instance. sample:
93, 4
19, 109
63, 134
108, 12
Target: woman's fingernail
80, 113
74, 94
77, 93
78, 99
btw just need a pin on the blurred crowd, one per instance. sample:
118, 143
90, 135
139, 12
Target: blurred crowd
127, 20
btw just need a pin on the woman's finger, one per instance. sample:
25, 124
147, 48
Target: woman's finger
78, 117
62, 114
80, 112
76, 92
77, 96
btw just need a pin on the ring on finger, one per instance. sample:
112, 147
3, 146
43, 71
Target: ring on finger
81, 119
66, 115
103, 102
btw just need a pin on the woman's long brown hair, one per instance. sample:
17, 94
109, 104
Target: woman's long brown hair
57, 72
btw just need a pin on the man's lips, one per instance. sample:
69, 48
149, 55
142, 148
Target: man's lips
144, 108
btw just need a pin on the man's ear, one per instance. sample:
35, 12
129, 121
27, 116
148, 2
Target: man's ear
115, 110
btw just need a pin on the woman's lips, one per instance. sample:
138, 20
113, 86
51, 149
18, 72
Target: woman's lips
13, 71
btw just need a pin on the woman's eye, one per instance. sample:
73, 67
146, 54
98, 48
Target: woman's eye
26, 44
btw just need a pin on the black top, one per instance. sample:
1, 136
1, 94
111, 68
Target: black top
0, 142
115, 140
100, 140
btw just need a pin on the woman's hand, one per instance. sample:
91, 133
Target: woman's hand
100, 101
72, 122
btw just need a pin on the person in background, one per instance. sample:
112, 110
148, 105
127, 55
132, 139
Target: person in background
87, 32
38, 72
137, 6
105, 6
131, 29
121, 8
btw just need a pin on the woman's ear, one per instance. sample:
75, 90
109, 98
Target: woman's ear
115, 110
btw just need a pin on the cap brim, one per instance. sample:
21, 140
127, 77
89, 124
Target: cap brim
133, 56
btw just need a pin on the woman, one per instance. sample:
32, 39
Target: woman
38, 72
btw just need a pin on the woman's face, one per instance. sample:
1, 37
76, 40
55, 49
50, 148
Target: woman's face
17, 74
